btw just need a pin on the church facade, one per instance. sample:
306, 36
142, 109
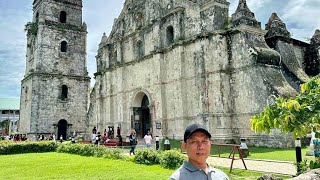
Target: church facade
167, 64
54, 91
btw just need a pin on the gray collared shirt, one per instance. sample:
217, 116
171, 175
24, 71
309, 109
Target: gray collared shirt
190, 172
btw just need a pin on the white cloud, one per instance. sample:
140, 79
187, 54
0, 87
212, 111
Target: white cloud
13, 16
301, 17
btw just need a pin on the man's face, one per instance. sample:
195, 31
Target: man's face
198, 147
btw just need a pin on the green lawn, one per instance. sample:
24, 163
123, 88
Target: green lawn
288, 154
35, 166
66, 166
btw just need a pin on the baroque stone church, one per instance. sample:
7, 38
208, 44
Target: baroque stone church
165, 64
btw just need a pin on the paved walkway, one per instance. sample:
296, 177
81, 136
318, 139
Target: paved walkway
268, 166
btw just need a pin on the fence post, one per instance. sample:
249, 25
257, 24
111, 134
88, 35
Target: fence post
298, 154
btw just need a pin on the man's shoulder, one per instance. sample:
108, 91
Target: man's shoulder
219, 174
176, 174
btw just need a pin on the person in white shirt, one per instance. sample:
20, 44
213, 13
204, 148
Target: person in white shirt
148, 138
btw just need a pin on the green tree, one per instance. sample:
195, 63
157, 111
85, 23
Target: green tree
299, 115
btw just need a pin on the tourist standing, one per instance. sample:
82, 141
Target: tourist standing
147, 139
316, 146
94, 130
61, 138
133, 141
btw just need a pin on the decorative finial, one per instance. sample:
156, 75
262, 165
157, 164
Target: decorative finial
104, 38
243, 16
276, 27
84, 25
316, 37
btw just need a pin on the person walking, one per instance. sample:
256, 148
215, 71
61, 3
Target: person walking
133, 141
147, 139
197, 144
316, 146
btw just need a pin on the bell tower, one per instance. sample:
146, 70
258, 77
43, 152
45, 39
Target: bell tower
54, 91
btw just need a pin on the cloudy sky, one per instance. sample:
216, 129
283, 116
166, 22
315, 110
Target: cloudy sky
301, 17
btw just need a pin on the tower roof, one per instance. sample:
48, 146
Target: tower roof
276, 27
243, 16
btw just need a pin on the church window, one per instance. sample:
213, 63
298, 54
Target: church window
64, 92
26, 93
115, 56
64, 46
170, 35
37, 18
140, 49
63, 17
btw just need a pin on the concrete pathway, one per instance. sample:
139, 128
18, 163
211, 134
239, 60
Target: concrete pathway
268, 166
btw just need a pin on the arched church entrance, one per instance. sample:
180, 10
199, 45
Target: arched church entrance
141, 115
62, 129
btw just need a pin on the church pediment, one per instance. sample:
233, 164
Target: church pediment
132, 18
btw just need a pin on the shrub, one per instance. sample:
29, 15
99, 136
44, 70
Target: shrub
10, 147
147, 156
90, 150
171, 159
113, 154
83, 150
305, 165
129, 158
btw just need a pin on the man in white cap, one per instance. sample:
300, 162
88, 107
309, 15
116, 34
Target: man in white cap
197, 144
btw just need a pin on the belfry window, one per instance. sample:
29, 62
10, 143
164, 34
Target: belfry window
140, 49
64, 92
64, 46
63, 17
170, 35
37, 17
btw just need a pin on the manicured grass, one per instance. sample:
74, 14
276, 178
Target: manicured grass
39, 166
287, 154
67, 166
276, 154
